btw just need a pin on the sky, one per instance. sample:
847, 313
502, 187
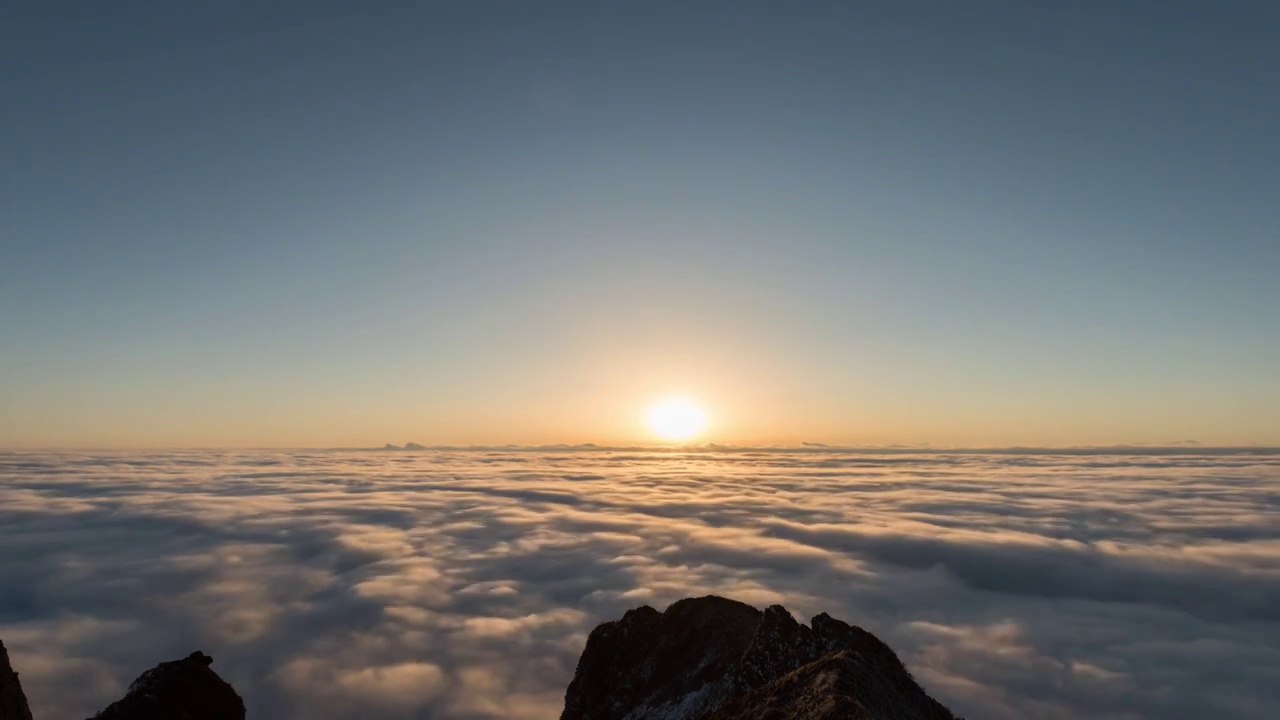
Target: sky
320, 223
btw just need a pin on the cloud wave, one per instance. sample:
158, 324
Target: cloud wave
462, 584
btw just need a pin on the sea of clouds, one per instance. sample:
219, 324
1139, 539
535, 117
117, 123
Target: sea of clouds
463, 584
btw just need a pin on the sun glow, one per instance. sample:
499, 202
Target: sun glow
677, 418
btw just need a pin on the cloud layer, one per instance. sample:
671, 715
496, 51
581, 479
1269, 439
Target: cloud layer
462, 585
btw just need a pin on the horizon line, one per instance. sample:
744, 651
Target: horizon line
1182, 448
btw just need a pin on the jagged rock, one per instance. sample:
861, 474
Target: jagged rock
781, 645
13, 702
715, 659
186, 689
843, 685
677, 664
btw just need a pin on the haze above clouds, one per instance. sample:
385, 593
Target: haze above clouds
308, 224
463, 584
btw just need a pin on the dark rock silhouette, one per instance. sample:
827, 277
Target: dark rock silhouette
715, 659
186, 689
649, 662
13, 702
844, 685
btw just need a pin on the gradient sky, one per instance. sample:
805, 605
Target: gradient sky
321, 223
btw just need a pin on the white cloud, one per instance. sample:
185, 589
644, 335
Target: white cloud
462, 585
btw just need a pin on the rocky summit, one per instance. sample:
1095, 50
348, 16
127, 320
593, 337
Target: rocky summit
711, 658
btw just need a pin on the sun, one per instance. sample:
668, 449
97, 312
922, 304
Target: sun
677, 418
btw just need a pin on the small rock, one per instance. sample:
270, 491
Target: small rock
13, 702
186, 689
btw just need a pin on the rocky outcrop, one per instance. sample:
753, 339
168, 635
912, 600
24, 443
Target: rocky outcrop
715, 659
13, 703
186, 689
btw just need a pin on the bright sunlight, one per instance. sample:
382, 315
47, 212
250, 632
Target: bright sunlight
677, 418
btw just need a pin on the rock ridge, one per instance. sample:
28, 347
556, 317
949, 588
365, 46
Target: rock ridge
710, 658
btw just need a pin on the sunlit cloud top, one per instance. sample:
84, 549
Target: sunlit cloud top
462, 585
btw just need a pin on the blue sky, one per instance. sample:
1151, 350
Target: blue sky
328, 223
